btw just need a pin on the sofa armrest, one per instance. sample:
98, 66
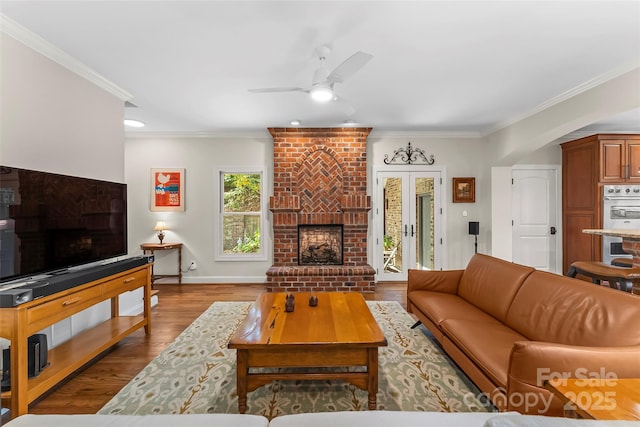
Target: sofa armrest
434, 280
533, 362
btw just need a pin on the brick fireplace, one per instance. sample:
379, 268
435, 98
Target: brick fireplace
320, 182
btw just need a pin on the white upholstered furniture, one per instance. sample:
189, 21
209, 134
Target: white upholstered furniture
333, 419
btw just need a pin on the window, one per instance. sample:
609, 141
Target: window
241, 220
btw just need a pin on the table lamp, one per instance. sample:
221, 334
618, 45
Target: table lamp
160, 227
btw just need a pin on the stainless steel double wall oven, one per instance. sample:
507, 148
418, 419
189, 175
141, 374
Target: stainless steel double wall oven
620, 210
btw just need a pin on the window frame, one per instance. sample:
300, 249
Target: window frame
219, 254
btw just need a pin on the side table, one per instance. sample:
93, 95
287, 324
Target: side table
600, 399
152, 247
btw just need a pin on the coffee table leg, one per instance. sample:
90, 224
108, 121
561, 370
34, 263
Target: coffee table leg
242, 358
372, 370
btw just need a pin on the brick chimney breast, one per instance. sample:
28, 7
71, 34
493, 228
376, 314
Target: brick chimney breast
320, 179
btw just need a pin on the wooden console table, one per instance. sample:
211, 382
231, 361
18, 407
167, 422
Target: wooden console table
19, 322
152, 247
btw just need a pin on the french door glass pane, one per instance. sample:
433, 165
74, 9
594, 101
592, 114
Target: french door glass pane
392, 262
424, 194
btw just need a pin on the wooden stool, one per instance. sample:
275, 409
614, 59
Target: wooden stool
622, 278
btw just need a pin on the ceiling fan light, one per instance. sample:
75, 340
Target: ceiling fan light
133, 123
321, 93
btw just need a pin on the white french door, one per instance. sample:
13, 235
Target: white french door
408, 223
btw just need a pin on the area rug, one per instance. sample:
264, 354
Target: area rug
196, 374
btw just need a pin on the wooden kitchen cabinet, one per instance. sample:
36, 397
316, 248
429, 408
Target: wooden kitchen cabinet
587, 164
620, 161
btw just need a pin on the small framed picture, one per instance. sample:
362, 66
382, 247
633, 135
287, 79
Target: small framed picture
464, 190
167, 189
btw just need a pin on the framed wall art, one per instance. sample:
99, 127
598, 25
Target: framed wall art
167, 189
464, 190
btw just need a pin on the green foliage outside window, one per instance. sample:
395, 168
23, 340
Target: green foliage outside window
388, 242
248, 244
242, 192
242, 203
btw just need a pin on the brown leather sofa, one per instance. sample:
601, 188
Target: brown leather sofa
511, 327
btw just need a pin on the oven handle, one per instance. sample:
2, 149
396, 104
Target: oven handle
625, 208
622, 198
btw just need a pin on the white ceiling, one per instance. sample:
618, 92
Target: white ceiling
439, 66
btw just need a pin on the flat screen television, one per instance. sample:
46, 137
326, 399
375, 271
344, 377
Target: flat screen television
51, 222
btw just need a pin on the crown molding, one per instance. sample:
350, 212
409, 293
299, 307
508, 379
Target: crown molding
260, 135
590, 84
57, 55
424, 134
197, 135
582, 133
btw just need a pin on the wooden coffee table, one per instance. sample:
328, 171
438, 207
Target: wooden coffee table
340, 332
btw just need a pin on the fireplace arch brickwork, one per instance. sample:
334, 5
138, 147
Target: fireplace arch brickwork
319, 179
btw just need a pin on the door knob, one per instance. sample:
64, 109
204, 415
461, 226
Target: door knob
553, 230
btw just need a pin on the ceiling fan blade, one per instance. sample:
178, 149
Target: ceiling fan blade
278, 89
349, 67
345, 105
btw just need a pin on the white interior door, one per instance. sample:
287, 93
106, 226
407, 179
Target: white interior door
536, 218
408, 223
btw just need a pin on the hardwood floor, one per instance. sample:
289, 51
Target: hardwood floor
93, 386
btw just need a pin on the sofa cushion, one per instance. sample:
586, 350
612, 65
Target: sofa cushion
191, 420
491, 284
385, 419
487, 344
559, 309
438, 307
543, 421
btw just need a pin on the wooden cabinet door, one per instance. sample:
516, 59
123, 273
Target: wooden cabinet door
581, 200
633, 160
612, 161
578, 246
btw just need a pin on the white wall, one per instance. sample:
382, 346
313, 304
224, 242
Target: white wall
534, 139
501, 212
459, 156
53, 120
195, 226
200, 155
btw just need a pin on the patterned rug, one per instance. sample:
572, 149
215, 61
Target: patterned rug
196, 374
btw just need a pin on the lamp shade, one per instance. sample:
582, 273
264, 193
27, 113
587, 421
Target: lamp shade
160, 226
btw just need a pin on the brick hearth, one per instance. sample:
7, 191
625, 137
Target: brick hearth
320, 177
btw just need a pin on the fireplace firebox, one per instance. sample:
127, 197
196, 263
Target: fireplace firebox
320, 244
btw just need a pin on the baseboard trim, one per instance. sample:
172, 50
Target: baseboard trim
215, 280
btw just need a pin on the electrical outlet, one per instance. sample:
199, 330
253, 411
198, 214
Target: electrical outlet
193, 266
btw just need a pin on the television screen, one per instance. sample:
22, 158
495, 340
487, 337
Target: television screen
51, 222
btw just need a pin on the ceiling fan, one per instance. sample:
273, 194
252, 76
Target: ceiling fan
322, 84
